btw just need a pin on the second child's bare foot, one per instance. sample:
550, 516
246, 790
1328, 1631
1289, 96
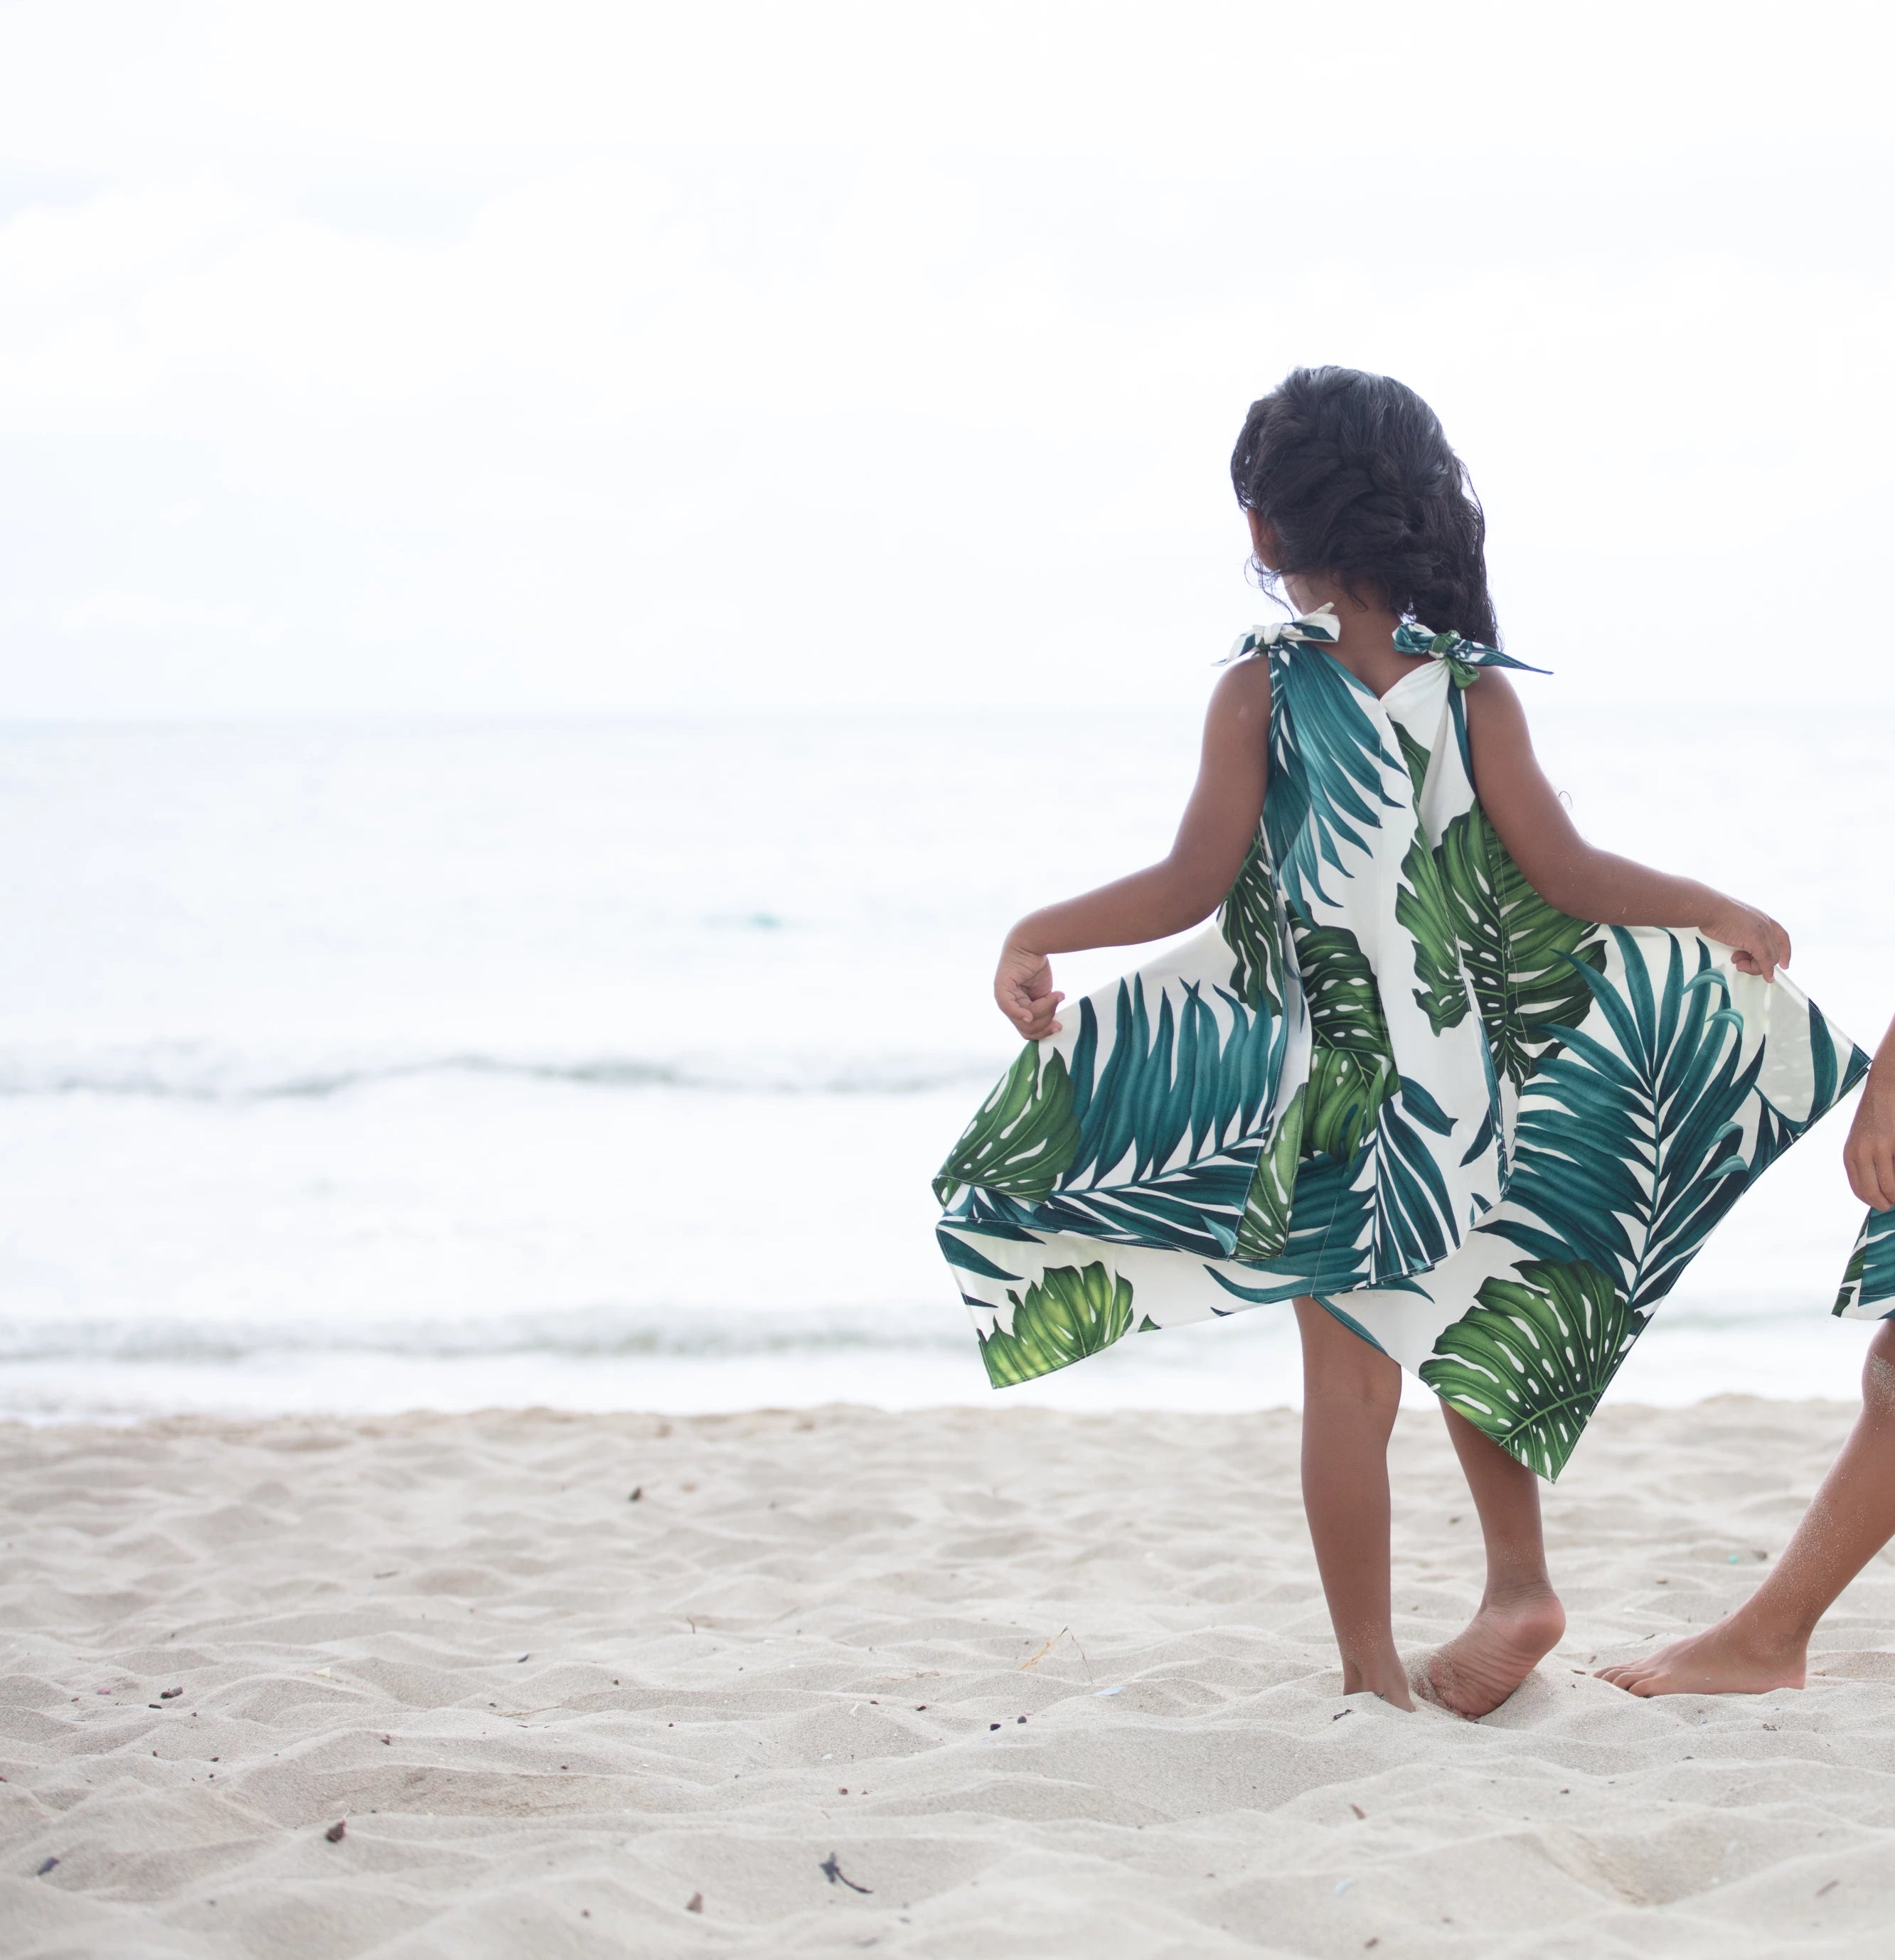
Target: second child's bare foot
1476, 1671
1723, 1659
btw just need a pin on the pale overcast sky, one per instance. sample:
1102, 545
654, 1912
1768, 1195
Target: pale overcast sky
416, 358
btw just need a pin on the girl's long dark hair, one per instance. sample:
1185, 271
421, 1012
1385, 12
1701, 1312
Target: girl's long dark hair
1353, 473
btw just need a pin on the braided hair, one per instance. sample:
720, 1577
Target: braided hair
1353, 473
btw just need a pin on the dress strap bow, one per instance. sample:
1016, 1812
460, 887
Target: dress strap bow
1463, 658
1319, 629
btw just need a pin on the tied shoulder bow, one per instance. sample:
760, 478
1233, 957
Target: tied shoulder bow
1319, 629
1463, 658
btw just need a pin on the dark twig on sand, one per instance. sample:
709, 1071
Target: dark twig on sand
831, 1871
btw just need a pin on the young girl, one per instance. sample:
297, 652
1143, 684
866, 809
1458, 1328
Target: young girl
1765, 1643
1468, 1091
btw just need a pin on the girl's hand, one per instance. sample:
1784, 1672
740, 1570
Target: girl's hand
1760, 945
1023, 985
1869, 1155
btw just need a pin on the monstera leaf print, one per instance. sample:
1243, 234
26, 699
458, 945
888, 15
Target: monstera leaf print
1626, 1151
1266, 1224
1251, 920
1021, 1138
1520, 951
1870, 1279
1345, 1092
1070, 1313
1345, 1007
1528, 1362
1351, 1063
1415, 756
1327, 760
1422, 905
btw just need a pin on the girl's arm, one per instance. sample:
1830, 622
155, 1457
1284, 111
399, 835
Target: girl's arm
1869, 1155
1186, 885
1567, 871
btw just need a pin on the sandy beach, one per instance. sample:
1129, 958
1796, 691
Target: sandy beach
1005, 1682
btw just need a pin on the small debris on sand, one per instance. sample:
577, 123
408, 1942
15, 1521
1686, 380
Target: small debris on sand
638, 1491
831, 1871
169, 1694
46, 1867
336, 1832
695, 1903
1358, 1810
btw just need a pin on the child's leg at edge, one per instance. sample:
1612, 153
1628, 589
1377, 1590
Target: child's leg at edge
1520, 1618
1765, 1644
1351, 1391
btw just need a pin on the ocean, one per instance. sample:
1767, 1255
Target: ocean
604, 1063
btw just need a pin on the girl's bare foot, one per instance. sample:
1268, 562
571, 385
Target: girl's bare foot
1723, 1660
1476, 1671
1388, 1678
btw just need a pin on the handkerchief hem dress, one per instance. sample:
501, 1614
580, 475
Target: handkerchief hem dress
1487, 1137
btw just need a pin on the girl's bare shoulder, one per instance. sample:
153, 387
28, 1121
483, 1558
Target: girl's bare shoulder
1494, 708
1242, 694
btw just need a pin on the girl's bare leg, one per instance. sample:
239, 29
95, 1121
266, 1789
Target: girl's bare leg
1351, 1391
1521, 1617
1765, 1644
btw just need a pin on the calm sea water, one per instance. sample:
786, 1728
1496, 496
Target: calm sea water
606, 1064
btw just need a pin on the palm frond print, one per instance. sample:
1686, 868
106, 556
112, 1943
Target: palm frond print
1627, 1153
1327, 761
1868, 1281
1485, 1135
1166, 1139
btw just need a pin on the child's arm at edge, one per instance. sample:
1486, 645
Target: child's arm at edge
1869, 1154
1185, 886
1568, 872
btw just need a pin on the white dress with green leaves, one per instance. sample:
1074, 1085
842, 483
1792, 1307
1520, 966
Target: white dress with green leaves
1486, 1136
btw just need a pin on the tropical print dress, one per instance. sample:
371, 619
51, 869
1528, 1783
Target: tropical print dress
1868, 1283
1486, 1137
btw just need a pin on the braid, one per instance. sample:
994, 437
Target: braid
1353, 473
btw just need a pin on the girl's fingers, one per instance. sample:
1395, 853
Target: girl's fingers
1871, 1174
